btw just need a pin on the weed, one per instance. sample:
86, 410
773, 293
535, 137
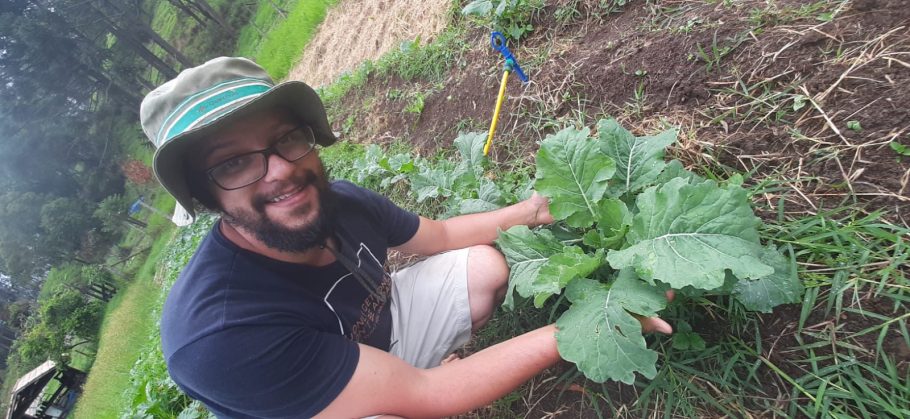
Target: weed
416, 103
568, 12
611, 6
689, 26
899, 148
773, 14
467, 124
665, 17
395, 94
717, 52
347, 127
637, 104
761, 102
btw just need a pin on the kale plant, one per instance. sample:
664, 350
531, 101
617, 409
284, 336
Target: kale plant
511, 17
630, 226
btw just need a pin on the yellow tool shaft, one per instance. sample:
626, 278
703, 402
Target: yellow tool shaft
502, 94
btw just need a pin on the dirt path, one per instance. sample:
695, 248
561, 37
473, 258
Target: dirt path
358, 30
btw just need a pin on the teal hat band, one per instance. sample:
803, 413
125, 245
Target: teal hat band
208, 105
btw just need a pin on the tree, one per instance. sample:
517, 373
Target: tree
62, 220
18, 311
21, 250
64, 322
208, 11
134, 22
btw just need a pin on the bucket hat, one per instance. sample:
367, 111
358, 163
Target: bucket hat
201, 100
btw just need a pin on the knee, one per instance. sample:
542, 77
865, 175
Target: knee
488, 266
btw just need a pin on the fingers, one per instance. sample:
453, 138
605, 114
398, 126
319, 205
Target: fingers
655, 324
449, 359
539, 206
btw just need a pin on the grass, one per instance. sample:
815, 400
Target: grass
857, 264
411, 61
280, 47
123, 334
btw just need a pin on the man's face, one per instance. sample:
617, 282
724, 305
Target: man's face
286, 209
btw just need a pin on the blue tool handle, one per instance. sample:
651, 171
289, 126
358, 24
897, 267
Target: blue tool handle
498, 42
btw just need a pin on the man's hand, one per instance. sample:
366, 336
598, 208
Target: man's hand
538, 207
656, 324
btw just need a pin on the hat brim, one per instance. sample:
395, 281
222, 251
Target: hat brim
298, 97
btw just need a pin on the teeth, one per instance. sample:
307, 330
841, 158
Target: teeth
280, 198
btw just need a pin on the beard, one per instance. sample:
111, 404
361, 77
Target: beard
284, 238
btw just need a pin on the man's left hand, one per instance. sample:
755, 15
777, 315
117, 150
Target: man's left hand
538, 207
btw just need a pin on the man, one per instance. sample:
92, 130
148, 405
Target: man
286, 309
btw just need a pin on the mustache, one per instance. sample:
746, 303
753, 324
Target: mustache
308, 178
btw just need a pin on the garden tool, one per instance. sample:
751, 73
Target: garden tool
498, 42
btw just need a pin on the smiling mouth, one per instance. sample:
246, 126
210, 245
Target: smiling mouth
285, 196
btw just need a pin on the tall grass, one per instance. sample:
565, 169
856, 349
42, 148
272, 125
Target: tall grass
284, 39
124, 332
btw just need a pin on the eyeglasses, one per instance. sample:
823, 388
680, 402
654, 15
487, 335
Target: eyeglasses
248, 168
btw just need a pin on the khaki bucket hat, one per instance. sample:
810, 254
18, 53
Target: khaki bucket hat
202, 99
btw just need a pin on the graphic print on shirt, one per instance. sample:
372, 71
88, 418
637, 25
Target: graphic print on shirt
377, 282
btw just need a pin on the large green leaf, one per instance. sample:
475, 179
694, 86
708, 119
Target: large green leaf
433, 182
573, 172
561, 269
688, 234
489, 198
599, 334
526, 252
613, 221
470, 147
675, 169
781, 287
478, 7
639, 160
488, 191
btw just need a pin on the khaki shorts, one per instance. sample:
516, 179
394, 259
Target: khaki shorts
431, 315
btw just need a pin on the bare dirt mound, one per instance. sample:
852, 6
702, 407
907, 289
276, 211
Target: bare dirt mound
355, 31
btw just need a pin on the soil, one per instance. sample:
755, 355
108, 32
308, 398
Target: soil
762, 87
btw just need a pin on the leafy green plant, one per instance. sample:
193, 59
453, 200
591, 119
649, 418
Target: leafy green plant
630, 226
463, 185
638, 102
416, 103
900, 148
511, 17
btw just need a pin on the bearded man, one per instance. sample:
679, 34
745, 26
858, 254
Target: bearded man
286, 309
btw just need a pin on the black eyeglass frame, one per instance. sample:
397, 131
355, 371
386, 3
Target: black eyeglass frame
266, 153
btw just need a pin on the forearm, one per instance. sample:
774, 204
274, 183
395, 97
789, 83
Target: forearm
488, 375
483, 228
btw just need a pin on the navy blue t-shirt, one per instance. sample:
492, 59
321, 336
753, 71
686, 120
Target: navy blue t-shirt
251, 336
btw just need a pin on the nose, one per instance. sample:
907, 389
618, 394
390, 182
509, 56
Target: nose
279, 168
